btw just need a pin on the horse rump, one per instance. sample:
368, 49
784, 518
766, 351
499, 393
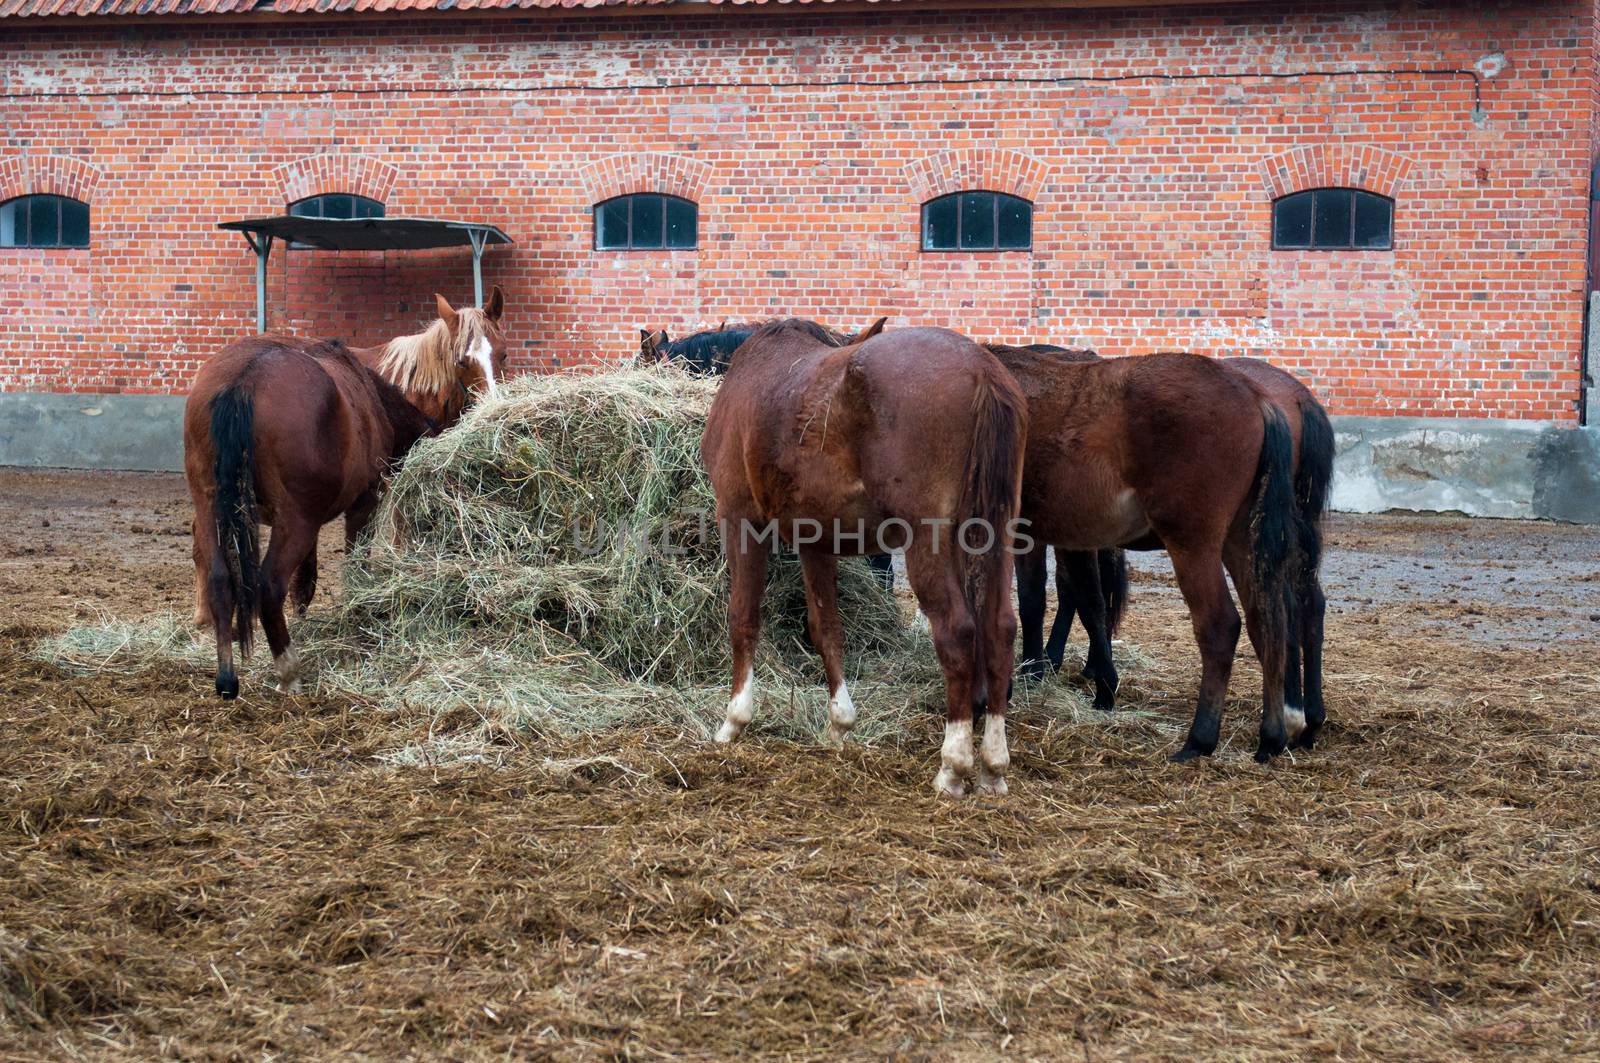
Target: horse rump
234, 580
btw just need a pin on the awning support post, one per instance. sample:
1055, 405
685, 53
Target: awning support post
478, 237
261, 244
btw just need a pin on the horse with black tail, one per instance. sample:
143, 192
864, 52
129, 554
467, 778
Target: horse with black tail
295, 433
1313, 482
1174, 452
917, 433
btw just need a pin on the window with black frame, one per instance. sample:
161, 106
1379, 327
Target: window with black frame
977, 221
1333, 219
646, 221
44, 221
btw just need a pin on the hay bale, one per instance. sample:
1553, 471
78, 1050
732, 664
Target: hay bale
575, 510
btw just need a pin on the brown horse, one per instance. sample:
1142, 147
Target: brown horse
295, 433
1174, 452
1095, 586
916, 435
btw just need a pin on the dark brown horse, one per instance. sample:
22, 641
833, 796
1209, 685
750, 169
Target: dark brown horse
1095, 587
1174, 452
295, 433
915, 436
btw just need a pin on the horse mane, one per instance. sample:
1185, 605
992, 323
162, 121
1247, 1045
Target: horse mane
425, 363
820, 333
1039, 353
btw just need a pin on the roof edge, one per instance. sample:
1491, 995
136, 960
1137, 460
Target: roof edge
547, 9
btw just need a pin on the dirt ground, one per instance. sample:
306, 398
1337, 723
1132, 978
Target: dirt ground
183, 877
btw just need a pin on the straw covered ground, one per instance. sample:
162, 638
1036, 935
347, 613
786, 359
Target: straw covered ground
563, 868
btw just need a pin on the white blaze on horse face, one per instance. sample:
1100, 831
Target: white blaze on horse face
741, 708
841, 716
483, 353
1294, 721
956, 759
993, 755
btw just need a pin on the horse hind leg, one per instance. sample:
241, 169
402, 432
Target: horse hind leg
203, 538
1031, 579
1313, 606
1264, 620
293, 540
821, 572
1216, 625
304, 588
747, 568
1067, 591
1098, 667
938, 590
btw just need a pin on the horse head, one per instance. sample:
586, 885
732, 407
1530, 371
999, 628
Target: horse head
477, 343
652, 347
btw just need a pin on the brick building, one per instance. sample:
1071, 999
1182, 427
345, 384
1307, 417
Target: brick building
1150, 143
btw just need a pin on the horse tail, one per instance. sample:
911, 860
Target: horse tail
1114, 586
236, 562
1274, 519
991, 495
1313, 482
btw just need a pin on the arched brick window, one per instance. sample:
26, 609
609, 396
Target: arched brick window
646, 221
977, 221
1333, 219
44, 221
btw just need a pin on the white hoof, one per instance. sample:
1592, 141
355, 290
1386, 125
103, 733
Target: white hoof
948, 784
990, 783
741, 708
1294, 721
841, 717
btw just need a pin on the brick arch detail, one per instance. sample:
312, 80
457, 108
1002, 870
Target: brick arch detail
1336, 166
56, 175
627, 174
317, 175
967, 169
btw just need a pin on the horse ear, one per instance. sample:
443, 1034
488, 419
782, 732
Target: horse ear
497, 304
723, 325
872, 330
446, 312
649, 346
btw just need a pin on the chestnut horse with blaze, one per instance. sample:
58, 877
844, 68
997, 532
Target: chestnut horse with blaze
1173, 452
297, 432
831, 446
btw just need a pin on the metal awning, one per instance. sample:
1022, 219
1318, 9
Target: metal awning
362, 234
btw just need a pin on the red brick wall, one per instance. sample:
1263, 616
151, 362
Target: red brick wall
1152, 157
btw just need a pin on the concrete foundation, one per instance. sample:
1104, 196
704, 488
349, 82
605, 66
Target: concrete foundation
1477, 467
138, 432
1480, 468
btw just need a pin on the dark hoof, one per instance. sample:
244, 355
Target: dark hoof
228, 686
1055, 657
1189, 752
1106, 702
1269, 747
1307, 738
